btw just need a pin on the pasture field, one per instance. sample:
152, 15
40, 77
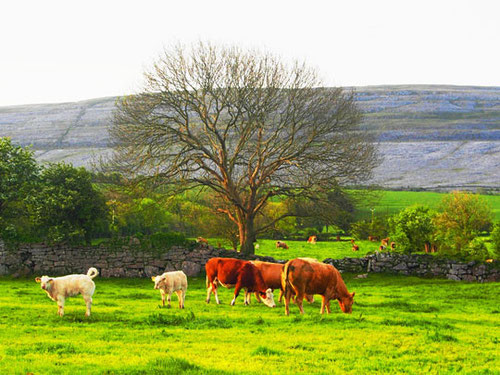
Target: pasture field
391, 202
321, 250
399, 325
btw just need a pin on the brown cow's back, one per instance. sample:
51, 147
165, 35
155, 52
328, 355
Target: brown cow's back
271, 273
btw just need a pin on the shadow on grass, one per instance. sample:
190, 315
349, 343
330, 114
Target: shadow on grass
167, 365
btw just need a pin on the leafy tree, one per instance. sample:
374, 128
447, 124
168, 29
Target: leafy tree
67, 207
412, 228
495, 239
244, 125
464, 216
18, 175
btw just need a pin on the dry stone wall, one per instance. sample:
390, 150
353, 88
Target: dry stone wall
420, 265
39, 259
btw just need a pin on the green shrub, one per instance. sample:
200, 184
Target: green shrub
167, 239
495, 239
412, 228
476, 250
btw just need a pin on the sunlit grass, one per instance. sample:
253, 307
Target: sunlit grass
399, 325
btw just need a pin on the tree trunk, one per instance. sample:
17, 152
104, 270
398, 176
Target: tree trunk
247, 236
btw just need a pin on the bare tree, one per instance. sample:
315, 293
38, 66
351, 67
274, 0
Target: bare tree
243, 124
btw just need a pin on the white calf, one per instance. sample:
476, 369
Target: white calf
60, 288
169, 283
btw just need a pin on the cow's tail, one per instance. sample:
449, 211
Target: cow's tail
92, 272
285, 282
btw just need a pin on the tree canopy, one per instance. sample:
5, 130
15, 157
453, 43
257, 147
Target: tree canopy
243, 124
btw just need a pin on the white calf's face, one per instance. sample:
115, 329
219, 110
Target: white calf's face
268, 298
159, 281
45, 282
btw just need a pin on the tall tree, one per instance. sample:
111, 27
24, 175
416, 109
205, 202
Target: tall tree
243, 124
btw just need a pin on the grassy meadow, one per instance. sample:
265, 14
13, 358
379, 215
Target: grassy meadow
399, 324
387, 202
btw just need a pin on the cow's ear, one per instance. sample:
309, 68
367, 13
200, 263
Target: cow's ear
38, 280
153, 278
262, 294
352, 295
50, 280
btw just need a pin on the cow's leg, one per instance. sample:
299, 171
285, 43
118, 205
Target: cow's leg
88, 303
169, 295
162, 297
328, 306
299, 297
281, 295
248, 297
323, 304
60, 306
257, 297
216, 295
209, 292
180, 298
236, 292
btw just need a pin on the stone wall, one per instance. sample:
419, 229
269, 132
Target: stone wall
419, 265
38, 259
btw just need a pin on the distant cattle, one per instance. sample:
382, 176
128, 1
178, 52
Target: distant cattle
202, 241
271, 273
312, 240
372, 238
384, 242
393, 245
281, 244
430, 248
354, 247
240, 274
302, 276
60, 288
172, 282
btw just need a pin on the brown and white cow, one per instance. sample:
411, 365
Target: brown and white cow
305, 276
312, 240
240, 274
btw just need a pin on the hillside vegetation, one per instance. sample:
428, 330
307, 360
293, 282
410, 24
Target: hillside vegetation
434, 137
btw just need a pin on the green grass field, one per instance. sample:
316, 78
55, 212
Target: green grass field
321, 250
391, 202
399, 325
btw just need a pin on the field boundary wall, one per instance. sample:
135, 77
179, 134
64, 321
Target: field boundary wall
39, 259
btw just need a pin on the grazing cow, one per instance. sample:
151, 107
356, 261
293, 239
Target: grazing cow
240, 274
60, 288
271, 273
202, 241
393, 245
385, 242
281, 244
312, 240
301, 276
354, 246
172, 282
372, 238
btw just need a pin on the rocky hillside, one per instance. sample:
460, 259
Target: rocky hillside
433, 137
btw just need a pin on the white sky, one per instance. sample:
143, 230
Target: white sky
55, 51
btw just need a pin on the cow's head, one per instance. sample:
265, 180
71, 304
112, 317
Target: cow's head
346, 303
45, 282
268, 298
159, 281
